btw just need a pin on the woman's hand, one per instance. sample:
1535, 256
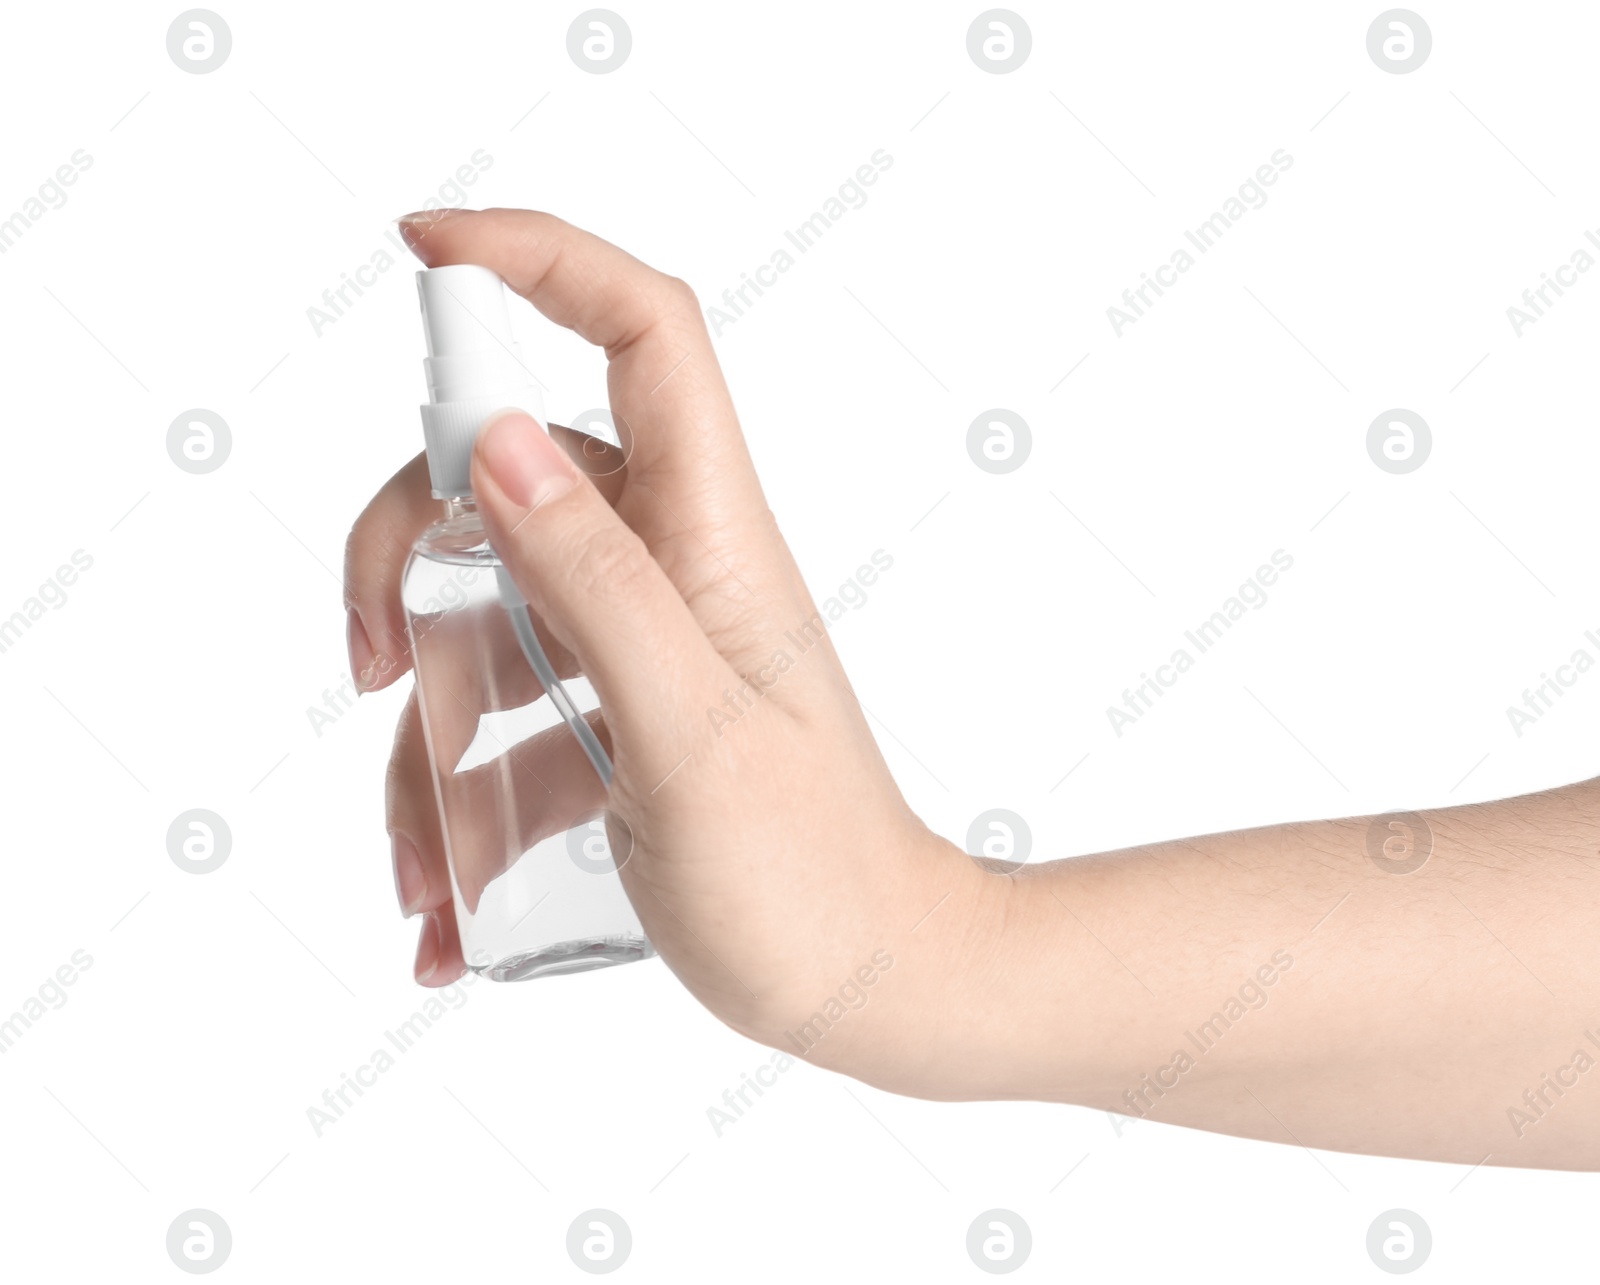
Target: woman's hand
774, 862
1276, 983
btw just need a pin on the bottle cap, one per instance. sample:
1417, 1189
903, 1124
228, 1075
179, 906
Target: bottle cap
474, 368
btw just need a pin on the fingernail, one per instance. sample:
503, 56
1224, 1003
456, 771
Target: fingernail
427, 948
416, 225
361, 654
523, 461
410, 882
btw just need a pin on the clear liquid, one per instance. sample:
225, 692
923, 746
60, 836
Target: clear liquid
522, 809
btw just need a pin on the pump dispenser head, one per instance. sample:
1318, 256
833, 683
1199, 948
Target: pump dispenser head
474, 368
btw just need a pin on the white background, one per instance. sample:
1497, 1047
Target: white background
1227, 423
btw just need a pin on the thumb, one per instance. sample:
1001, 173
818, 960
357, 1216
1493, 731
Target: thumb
593, 583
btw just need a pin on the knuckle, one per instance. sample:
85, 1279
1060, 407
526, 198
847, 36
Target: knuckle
680, 297
397, 786
367, 549
401, 786
352, 561
611, 563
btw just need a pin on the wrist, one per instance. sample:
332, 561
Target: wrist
903, 1015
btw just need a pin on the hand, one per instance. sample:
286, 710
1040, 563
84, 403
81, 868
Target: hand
773, 856
782, 877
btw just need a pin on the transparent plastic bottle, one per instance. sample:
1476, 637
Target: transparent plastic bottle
517, 776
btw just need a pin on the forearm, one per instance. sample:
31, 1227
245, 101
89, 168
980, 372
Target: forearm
1281, 984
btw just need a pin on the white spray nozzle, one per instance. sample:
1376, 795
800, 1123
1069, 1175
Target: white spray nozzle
474, 368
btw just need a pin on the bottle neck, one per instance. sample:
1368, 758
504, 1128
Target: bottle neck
460, 506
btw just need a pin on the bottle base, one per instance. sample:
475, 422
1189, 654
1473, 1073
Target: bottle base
567, 957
